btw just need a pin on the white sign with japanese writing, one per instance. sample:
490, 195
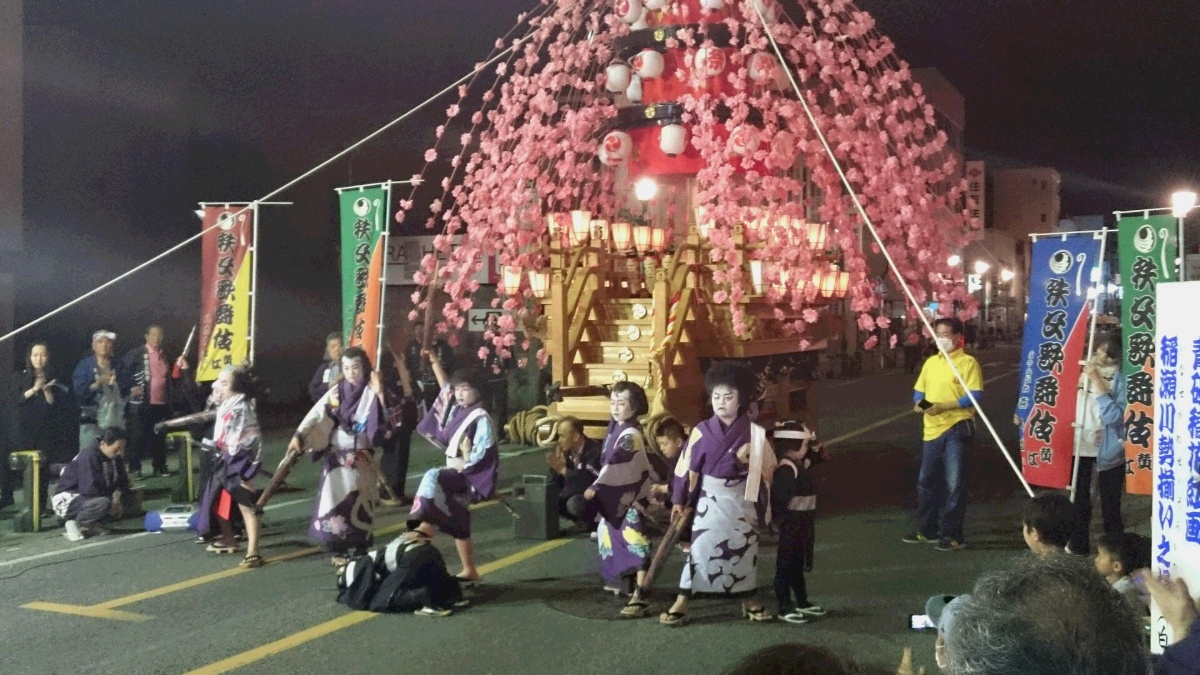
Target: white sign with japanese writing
1175, 521
404, 257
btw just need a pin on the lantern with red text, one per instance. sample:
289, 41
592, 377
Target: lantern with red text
616, 148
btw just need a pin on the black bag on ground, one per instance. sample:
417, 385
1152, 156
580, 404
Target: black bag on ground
358, 583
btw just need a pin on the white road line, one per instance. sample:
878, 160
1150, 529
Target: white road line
893, 418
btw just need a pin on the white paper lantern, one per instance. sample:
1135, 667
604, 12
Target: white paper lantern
744, 140
672, 140
629, 11
709, 62
648, 63
634, 91
763, 67
712, 5
640, 24
656, 5
616, 148
617, 78
767, 7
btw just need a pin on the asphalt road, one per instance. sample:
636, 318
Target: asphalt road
156, 603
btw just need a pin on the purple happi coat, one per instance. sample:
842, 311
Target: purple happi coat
624, 480
468, 437
344, 516
724, 550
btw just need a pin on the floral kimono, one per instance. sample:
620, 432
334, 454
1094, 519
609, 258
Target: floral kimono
624, 480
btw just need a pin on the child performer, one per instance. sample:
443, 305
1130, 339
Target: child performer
793, 503
623, 480
236, 437
458, 423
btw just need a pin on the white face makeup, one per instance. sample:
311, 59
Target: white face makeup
353, 371
222, 388
725, 403
620, 406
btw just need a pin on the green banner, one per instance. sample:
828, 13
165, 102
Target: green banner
1147, 248
364, 212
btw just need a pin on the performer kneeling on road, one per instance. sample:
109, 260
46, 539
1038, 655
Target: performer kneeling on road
624, 480
729, 467
343, 429
91, 487
458, 423
237, 461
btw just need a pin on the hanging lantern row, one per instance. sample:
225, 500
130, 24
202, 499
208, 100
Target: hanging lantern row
832, 283
578, 228
797, 231
511, 277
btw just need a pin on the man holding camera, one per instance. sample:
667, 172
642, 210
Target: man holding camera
948, 419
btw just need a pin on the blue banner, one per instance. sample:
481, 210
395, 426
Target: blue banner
1055, 338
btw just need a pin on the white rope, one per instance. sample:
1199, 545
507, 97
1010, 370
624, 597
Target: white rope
273, 193
883, 248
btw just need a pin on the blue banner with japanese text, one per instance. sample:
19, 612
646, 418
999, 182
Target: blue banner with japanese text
1053, 345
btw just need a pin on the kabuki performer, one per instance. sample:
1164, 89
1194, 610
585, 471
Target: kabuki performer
728, 465
460, 425
342, 430
230, 488
624, 481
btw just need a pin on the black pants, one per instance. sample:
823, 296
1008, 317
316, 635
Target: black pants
1112, 484
146, 443
792, 560
394, 463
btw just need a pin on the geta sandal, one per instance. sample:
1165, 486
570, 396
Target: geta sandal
252, 561
673, 619
221, 548
758, 614
635, 609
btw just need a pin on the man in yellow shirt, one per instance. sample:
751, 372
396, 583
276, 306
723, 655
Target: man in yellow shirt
948, 417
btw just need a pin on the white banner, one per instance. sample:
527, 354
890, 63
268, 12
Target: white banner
1175, 521
404, 257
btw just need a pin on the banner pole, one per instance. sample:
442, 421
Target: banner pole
1182, 251
253, 337
1102, 235
387, 206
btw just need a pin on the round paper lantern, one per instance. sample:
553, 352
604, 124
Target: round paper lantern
629, 11
763, 67
617, 76
744, 140
709, 62
656, 5
648, 63
712, 5
641, 24
672, 140
616, 148
634, 91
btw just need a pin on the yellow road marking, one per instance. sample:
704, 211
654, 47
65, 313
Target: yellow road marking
93, 612
106, 610
351, 619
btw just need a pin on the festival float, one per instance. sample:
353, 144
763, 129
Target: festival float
657, 195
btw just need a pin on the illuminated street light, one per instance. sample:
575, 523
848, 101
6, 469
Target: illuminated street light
981, 267
1182, 202
1007, 275
954, 260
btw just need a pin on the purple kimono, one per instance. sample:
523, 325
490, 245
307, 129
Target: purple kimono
724, 551
345, 426
236, 437
624, 479
468, 438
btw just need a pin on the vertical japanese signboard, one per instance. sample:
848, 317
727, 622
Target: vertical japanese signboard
227, 248
1175, 520
1052, 347
1147, 249
364, 249
977, 191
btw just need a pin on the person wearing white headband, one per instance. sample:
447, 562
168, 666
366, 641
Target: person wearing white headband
793, 506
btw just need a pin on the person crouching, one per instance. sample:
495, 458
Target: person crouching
91, 489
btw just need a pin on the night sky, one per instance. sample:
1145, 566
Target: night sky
135, 110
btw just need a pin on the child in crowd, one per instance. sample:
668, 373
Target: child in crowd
1048, 520
793, 504
1118, 555
670, 437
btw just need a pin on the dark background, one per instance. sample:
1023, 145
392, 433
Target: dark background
137, 109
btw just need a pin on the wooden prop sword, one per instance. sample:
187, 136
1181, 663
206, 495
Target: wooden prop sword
670, 538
